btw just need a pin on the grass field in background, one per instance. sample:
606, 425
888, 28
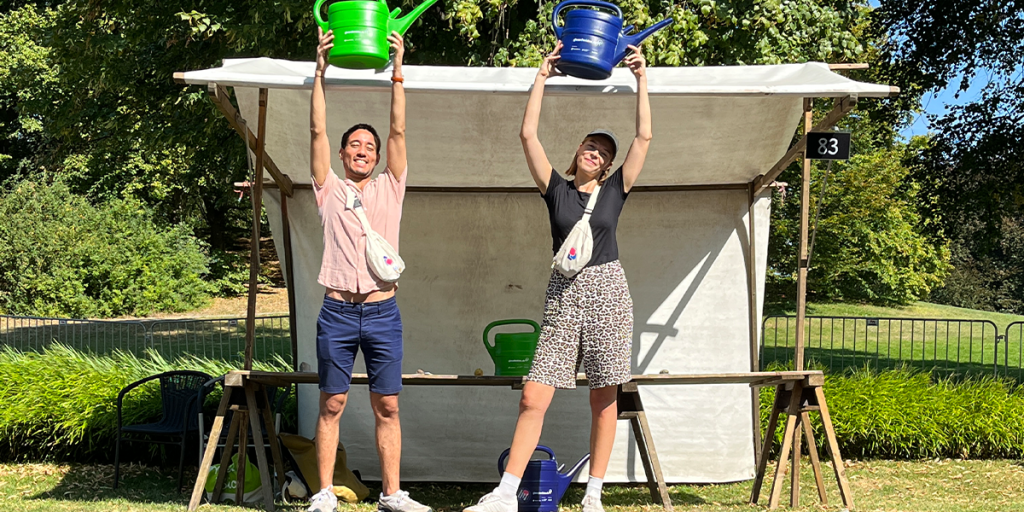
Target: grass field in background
930, 337
926, 486
915, 310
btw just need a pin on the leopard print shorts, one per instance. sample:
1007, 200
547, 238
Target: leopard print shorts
588, 319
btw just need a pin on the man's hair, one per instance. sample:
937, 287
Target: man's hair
362, 126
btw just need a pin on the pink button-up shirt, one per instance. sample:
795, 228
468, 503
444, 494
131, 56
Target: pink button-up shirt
344, 264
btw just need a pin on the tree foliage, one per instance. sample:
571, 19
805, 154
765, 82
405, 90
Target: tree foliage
868, 244
88, 93
972, 177
65, 257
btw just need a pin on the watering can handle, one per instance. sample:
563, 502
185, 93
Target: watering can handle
504, 456
318, 16
591, 3
487, 330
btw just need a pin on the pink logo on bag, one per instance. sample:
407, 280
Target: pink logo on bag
572, 253
388, 261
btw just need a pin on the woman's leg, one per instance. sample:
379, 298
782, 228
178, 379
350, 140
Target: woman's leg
604, 416
532, 407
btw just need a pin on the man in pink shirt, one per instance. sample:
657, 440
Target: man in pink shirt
359, 310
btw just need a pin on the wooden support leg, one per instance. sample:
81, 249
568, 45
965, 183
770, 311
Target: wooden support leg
833, 450
630, 407
225, 457
275, 447
261, 453
787, 445
812, 449
211, 448
243, 451
766, 446
794, 473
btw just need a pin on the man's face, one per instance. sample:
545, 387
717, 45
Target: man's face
359, 156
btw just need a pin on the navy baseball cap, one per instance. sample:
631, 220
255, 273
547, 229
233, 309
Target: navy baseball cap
608, 134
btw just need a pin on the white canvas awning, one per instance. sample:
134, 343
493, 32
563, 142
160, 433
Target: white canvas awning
712, 125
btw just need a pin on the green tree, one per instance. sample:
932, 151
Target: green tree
972, 175
869, 244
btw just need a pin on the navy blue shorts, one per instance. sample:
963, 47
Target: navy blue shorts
343, 328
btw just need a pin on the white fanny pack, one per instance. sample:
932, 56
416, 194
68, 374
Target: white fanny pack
577, 247
383, 259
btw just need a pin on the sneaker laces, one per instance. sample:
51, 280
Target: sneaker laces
489, 497
398, 497
321, 497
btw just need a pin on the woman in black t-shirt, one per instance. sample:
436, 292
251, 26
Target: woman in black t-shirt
588, 318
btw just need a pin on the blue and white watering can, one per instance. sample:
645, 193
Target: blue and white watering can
593, 42
543, 486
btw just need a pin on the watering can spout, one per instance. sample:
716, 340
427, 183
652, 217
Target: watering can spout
625, 41
402, 24
564, 479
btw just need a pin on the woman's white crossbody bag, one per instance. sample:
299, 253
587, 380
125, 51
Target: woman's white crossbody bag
383, 259
577, 247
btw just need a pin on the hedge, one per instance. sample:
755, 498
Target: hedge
61, 404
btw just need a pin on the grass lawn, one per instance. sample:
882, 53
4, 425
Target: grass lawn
940, 486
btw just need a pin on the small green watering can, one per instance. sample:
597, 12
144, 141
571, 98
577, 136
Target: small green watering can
512, 352
361, 29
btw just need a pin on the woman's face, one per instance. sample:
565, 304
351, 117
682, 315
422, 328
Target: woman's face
594, 156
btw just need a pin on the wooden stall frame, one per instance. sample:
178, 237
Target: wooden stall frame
754, 188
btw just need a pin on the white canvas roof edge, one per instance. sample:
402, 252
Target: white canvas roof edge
802, 80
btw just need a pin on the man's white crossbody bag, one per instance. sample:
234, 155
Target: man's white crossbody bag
383, 259
577, 247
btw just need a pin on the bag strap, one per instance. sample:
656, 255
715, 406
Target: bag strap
354, 203
591, 203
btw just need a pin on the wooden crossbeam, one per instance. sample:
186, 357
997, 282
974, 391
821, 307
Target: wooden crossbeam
842, 107
220, 99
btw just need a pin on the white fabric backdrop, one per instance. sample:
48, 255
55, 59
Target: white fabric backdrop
478, 257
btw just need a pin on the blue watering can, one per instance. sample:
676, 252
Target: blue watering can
593, 42
543, 486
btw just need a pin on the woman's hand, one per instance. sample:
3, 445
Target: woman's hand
323, 47
547, 68
398, 45
636, 62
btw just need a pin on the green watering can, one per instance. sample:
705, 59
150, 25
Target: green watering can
512, 352
361, 29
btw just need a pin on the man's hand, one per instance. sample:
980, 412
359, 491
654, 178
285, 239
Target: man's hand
323, 48
398, 45
547, 68
636, 62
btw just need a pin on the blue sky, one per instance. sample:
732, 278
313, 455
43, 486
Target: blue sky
936, 102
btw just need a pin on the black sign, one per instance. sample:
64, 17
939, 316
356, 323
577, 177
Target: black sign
828, 146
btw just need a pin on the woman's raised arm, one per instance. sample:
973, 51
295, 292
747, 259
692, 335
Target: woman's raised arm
536, 158
634, 162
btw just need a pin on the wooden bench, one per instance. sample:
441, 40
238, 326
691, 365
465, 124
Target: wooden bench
797, 393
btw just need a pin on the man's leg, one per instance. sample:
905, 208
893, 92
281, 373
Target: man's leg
389, 440
337, 340
331, 407
381, 342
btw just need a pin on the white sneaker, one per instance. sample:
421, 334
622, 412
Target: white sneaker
592, 504
400, 502
323, 501
492, 502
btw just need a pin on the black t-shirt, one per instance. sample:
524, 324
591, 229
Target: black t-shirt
565, 208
